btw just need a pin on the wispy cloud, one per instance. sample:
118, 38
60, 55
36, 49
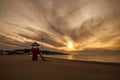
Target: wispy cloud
88, 24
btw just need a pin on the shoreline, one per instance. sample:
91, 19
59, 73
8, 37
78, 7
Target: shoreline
81, 61
91, 62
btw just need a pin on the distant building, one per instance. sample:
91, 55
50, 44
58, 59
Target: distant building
5, 52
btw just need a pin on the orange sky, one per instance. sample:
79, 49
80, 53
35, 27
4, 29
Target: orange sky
65, 25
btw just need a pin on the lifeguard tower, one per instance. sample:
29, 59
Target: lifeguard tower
36, 51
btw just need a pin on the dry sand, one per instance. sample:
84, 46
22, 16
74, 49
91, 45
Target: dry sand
20, 67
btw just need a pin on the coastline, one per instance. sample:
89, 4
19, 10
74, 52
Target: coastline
91, 62
21, 67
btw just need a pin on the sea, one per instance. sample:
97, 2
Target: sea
108, 57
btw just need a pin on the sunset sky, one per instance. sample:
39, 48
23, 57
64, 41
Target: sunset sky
65, 25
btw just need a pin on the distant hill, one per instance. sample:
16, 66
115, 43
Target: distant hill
28, 51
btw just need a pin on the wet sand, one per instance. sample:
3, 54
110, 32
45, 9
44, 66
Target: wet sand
21, 67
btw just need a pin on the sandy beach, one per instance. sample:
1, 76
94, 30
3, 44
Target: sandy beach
21, 67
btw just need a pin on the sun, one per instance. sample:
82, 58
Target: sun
70, 45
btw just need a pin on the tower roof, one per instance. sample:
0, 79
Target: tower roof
35, 44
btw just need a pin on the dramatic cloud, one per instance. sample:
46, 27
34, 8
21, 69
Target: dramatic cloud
87, 24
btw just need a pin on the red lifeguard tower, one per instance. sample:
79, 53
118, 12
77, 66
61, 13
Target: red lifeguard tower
35, 51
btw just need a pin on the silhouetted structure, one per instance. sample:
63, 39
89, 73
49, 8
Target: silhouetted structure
35, 51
